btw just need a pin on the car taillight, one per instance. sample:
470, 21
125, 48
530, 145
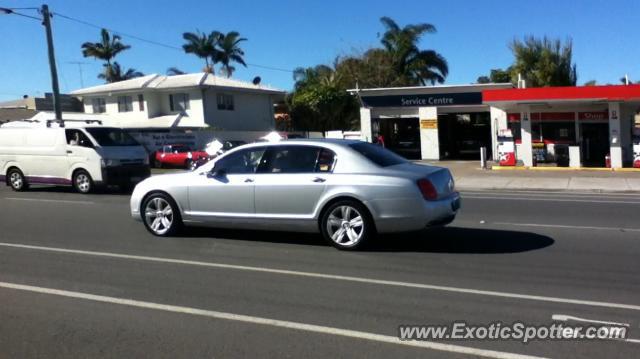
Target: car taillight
427, 189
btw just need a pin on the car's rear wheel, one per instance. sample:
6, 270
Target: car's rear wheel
16, 180
161, 215
347, 225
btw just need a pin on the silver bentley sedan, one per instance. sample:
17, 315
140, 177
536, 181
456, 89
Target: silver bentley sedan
345, 189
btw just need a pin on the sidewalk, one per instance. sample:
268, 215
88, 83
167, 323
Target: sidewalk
469, 176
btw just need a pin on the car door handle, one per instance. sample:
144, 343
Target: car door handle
69, 151
248, 180
319, 180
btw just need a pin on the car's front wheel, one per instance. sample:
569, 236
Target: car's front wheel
82, 182
161, 215
347, 225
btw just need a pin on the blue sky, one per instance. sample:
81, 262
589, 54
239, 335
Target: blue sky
472, 35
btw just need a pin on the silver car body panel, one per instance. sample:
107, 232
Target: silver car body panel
283, 201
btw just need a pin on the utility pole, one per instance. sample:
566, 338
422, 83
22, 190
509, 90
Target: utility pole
46, 21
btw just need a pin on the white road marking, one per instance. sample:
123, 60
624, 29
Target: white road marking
566, 318
333, 277
48, 200
269, 322
568, 226
509, 198
554, 194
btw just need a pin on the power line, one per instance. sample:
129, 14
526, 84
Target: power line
11, 11
124, 34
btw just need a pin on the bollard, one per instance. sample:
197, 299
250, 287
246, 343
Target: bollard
483, 158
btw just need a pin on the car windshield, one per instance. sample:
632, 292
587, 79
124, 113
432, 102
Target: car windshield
378, 155
109, 137
180, 149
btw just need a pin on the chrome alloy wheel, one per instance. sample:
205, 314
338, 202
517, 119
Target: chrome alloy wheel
159, 215
345, 225
83, 183
16, 180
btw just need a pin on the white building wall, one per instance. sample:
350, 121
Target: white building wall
252, 111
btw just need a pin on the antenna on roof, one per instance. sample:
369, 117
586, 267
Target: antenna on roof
256, 80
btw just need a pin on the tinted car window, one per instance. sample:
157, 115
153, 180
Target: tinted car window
107, 137
291, 159
326, 161
241, 162
378, 155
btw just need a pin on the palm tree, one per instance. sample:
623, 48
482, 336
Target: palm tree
203, 46
107, 49
412, 65
544, 61
114, 73
229, 51
171, 71
312, 75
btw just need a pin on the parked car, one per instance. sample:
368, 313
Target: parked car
348, 190
177, 156
82, 154
214, 149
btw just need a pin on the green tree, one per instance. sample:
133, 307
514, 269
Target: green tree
203, 46
228, 51
496, 76
114, 73
320, 101
107, 49
412, 65
590, 83
544, 62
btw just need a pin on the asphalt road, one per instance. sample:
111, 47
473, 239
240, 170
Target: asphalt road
79, 278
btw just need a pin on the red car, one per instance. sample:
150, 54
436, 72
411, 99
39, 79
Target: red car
177, 156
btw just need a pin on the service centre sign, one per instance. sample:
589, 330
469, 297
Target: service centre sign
430, 100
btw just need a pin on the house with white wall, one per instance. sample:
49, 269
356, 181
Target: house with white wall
183, 101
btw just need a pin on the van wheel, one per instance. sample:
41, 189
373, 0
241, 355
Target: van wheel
347, 225
16, 180
82, 182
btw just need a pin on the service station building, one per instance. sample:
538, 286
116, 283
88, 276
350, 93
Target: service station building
592, 123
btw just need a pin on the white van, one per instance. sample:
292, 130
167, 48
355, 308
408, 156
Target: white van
82, 154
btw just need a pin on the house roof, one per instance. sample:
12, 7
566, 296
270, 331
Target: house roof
14, 114
169, 121
161, 82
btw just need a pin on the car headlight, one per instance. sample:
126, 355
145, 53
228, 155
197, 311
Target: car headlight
189, 155
108, 162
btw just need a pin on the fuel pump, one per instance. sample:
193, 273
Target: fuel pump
506, 148
636, 148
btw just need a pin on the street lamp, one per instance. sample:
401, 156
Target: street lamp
46, 21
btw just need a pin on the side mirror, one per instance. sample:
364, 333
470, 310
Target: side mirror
218, 172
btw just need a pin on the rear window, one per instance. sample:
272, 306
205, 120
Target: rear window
378, 155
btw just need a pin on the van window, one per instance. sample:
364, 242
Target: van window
109, 137
77, 138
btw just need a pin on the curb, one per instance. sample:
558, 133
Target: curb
554, 190
563, 169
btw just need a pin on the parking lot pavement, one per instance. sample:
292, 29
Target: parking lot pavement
80, 278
